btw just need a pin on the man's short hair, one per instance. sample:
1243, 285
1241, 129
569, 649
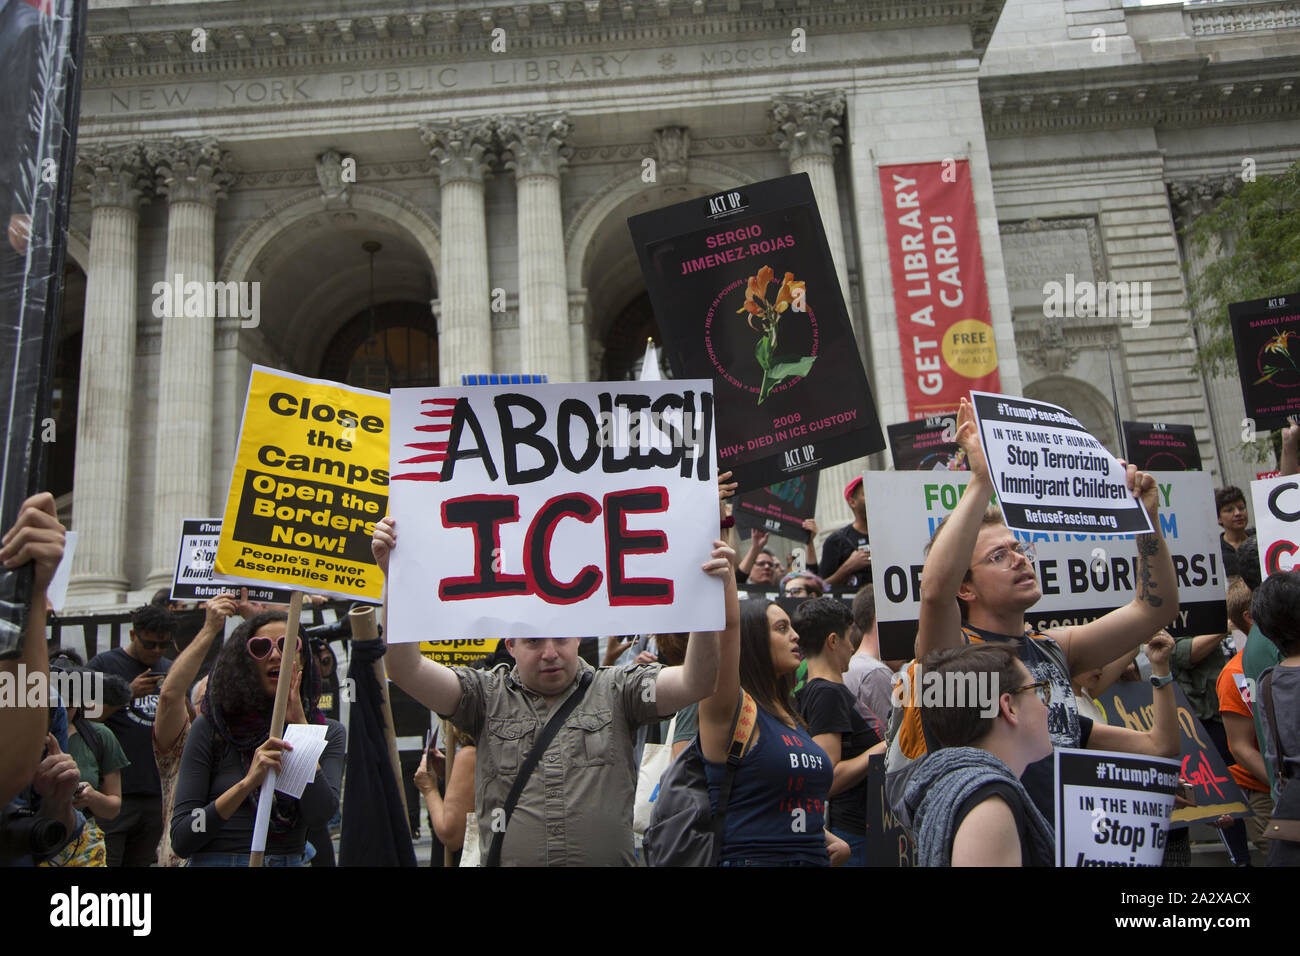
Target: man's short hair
161, 598
864, 608
1227, 495
992, 515
817, 619
961, 723
1276, 610
117, 692
1238, 603
151, 619
1248, 562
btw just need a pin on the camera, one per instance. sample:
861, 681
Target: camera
23, 832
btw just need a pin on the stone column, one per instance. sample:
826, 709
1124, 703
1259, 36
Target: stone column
193, 175
1225, 406
464, 153
536, 151
118, 183
580, 363
807, 129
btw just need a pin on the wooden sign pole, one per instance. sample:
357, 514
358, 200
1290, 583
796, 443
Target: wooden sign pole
288, 661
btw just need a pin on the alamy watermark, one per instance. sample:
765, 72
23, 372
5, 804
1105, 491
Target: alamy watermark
180, 299
959, 689
80, 689
1084, 298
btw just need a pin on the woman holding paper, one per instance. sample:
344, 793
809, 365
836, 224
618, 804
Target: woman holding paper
230, 750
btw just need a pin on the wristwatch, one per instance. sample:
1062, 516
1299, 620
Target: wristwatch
1158, 682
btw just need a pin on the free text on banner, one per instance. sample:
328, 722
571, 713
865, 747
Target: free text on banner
309, 484
553, 510
1130, 704
745, 293
1082, 576
1049, 473
1277, 522
940, 293
198, 551
1112, 809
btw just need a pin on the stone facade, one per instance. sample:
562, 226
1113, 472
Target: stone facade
496, 152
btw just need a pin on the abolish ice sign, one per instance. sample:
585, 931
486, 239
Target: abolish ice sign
1050, 474
553, 510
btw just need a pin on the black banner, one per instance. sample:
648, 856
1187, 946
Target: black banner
889, 843
926, 444
745, 293
1154, 446
1129, 704
1269, 365
40, 56
781, 508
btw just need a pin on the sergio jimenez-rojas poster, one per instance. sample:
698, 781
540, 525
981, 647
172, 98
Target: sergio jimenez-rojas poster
745, 293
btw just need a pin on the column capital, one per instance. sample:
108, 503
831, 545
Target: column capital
114, 175
196, 170
808, 124
464, 151
1192, 198
535, 144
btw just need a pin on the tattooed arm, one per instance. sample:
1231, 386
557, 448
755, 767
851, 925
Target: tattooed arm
1154, 606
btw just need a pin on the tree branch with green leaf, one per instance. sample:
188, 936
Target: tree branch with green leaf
764, 318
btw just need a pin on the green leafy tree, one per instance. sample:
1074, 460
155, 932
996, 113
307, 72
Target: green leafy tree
1249, 247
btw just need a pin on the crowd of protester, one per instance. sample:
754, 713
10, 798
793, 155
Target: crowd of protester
768, 727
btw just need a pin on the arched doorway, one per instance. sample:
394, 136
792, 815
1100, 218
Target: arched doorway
625, 342
393, 345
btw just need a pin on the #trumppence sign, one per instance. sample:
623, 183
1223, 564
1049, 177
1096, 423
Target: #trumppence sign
551, 510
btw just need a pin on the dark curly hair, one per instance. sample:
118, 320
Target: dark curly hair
151, 619
235, 702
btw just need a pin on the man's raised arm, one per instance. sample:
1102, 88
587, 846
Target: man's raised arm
950, 555
433, 685
697, 677
1155, 606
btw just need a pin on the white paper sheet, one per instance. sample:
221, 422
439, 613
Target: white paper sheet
298, 767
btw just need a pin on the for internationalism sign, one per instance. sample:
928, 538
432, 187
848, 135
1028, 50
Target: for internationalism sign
1050, 473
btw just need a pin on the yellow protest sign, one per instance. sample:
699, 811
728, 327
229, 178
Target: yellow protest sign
309, 484
458, 652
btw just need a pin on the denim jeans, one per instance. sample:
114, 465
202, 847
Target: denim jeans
857, 845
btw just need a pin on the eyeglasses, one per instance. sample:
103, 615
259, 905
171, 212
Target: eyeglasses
1003, 558
259, 648
153, 645
796, 590
1043, 689
764, 564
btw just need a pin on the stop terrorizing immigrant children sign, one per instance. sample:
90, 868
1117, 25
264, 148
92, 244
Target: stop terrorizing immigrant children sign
553, 510
1050, 474
309, 483
745, 293
1082, 576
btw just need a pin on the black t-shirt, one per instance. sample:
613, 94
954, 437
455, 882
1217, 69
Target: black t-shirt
329, 697
827, 708
1231, 566
839, 545
133, 724
210, 767
1007, 793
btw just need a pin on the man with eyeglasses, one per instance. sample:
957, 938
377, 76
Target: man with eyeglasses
132, 837
978, 582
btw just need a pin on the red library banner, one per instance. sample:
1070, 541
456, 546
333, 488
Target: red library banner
945, 331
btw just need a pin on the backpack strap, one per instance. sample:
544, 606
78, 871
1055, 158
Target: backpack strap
533, 759
742, 731
1266, 695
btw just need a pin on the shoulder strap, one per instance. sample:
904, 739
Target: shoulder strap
533, 759
90, 735
1266, 695
742, 730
